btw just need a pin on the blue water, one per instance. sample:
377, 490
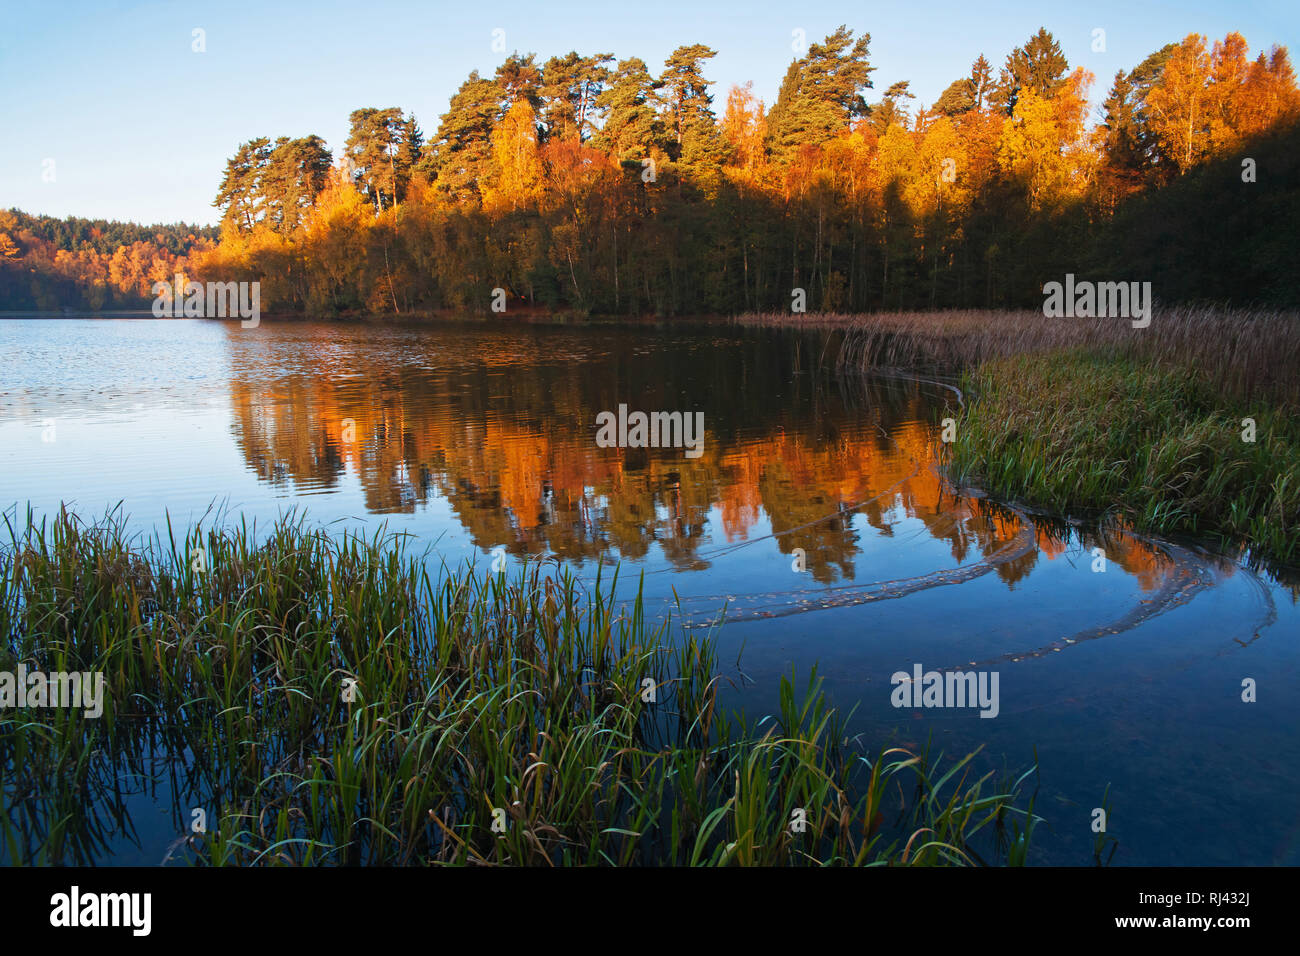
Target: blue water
478, 437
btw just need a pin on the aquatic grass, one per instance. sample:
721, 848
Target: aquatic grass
337, 699
1245, 354
1076, 430
1092, 415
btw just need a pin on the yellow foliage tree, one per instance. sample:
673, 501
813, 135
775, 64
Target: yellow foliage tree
744, 127
515, 180
1043, 144
1179, 105
334, 245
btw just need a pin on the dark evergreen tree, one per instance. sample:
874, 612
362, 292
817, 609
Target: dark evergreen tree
821, 93
632, 126
1039, 66
461, 150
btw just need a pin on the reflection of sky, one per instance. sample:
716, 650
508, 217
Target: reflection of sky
159, 461
142, 414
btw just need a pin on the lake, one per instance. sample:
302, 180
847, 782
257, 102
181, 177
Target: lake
815, 511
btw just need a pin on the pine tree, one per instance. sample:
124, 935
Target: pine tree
295, 173
1039, 66
956, 98
570, 87
688, 106
889, 112
821, 93
461, 150
520, 78
981, 81
239, 195
632, 129
412, 148
377, 149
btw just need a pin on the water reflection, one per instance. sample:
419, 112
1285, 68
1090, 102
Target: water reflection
509, 446
842, 476
478, 437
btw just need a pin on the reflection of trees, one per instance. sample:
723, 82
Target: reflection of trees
1148, 564
510, 445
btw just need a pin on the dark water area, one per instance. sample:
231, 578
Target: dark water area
816, 512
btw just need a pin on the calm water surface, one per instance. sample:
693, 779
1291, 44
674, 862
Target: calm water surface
477, 438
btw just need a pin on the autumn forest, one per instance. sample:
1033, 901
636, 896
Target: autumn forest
594, 185
643, 456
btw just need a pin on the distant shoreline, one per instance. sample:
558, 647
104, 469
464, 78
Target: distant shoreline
514, 317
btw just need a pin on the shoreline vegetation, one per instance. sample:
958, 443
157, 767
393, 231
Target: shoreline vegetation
324, 699
1186, 427
1157, 447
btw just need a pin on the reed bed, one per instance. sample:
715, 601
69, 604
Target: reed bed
326, 699
1244, 354
1079, 415
1076, 431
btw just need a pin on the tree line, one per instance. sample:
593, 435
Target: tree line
93, 264
595, 185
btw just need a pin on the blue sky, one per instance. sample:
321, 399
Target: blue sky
139, 126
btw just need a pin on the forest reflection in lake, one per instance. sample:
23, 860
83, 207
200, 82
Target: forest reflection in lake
817, 514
